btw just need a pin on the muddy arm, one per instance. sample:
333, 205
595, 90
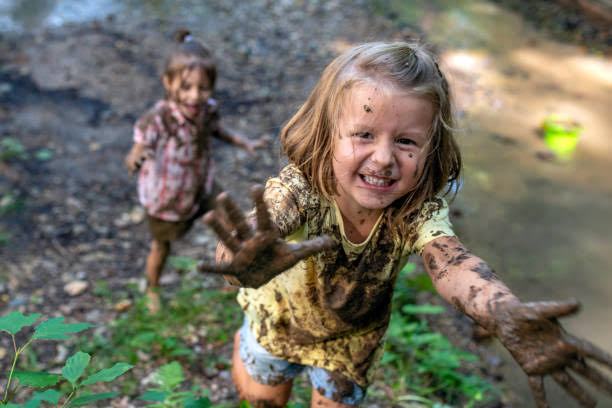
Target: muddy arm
258, 253
530, 331
232, 137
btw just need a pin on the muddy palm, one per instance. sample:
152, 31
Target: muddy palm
259, 252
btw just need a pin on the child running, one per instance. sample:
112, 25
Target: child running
172, 150
371, 154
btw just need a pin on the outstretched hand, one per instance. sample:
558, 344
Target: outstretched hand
137, 156
259, 252
540, 345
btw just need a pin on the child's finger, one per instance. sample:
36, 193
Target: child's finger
235, 215
587, 349
224, 235
573, 388
263, 218
552, 310
311, 247
536, 383
591, 374
223, 269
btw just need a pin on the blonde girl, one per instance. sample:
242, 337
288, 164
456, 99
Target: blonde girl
371, 155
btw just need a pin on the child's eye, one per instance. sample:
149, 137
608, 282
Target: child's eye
405, 141
364, 135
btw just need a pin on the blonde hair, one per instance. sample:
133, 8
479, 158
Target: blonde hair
190, 54
307, 138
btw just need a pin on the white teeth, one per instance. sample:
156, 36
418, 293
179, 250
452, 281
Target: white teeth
379, 182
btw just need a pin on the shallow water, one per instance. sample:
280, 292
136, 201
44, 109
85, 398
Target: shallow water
543, 225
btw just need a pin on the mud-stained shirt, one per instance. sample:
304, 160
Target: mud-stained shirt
332, 309
171, 185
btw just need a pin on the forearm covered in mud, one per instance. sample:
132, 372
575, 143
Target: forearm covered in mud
465, 280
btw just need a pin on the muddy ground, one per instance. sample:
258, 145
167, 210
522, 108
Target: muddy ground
76, 91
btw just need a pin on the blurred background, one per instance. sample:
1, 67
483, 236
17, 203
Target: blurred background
533, 87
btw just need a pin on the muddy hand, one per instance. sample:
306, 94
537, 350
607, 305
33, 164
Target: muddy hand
259, 253
542, 347
134, 160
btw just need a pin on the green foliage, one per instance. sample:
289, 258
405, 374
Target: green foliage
167, 392
9, 203
11, 148
422, 365
54, 329
192, 314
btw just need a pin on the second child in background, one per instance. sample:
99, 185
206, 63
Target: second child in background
172, 150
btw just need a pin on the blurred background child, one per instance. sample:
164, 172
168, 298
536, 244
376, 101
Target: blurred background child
172, 150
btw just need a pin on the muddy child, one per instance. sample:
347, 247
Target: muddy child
172, 151
371, 156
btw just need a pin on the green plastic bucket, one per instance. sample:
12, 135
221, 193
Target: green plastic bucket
561, 134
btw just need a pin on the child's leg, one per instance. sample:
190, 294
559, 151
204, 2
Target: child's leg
156, 261
258, 395
319, 401
155, 265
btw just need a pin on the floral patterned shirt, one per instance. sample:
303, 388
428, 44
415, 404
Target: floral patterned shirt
332, 309
171, 185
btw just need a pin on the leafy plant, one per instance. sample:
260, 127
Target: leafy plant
54, 329
167, 391
424, 366
11, 148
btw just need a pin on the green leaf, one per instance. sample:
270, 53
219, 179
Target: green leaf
154, 396
14, 322
108, 374
75, 366
408, 268
36, 379
33, 403
44, 154
199, 403
170, 375
55, 329
51, 396
182, 262
88, 399
422, 309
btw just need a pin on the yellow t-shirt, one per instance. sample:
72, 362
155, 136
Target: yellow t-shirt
332, 309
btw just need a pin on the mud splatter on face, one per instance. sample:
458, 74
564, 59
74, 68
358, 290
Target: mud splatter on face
367, 108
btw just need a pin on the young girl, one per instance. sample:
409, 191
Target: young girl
371, 151
172, 145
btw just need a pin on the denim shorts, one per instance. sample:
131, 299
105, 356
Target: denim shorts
269, 370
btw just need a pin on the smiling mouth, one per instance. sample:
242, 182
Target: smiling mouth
377, 181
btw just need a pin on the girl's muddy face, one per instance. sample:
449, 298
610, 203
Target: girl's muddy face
189, 89
380, 147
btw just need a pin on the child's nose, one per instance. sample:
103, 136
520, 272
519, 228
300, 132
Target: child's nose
383, 153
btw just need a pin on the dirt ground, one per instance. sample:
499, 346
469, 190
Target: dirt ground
76, 91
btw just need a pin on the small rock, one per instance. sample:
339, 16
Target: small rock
3, 352
123, 305
76, 287
137, 215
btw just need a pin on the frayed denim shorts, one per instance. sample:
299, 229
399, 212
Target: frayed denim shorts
269, 370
